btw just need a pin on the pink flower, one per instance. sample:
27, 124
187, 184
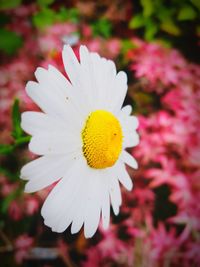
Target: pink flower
94, 45
86, 31
163, 244
31, 205
114, 46
192, 253
7, 189
158, 64
15, 211
22, 244
54, 36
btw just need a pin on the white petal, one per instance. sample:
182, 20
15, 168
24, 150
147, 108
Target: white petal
75, 213
37, 122
125, 111
128, 159
130, 139
108, 82
92, 212
59, 203
71, 64
87, 81
74, 96
129, 123
104, 73
79, 209
123, 176
115, 195
44, 171
72, 206
34, 91
119, 90
105, 207
34, 168
63, 86
61, 94
55, 143
49, 91
80, 83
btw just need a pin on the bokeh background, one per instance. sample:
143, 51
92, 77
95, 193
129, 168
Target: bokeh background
156, 43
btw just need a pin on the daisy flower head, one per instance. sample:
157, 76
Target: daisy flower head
81, 137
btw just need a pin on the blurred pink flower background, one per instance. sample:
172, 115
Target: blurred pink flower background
159, 221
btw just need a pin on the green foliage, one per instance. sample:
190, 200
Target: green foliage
151, 30
6, 149
148, 7
127, 45
157, 17
17, 132
16, 119
196, 3
4, 19
7, 173
170, 27
46, 16
102, 27
71, 14
8, 4
137, 21
187, 13
7, 200
44, 3
10, 41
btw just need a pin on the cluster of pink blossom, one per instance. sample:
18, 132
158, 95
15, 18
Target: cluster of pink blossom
169, 150
145, 233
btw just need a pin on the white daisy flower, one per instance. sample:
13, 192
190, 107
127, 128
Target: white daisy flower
81, 136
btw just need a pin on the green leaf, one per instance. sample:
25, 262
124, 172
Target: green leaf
148, 7
187, 13
127, 45
8, 4
4, 19
136, 22
196, 3
102, 27
71, 14
16, 120
44, 18
164, 42
9, 174
44, 3
22, 140
7, 200
165, 14
150, 30
6, 149
170, 27
10, 41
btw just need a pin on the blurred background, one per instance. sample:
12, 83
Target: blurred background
157, 43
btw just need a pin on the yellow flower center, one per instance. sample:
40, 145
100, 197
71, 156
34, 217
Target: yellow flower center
102, 139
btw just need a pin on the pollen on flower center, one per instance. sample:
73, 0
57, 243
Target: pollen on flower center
102, 139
